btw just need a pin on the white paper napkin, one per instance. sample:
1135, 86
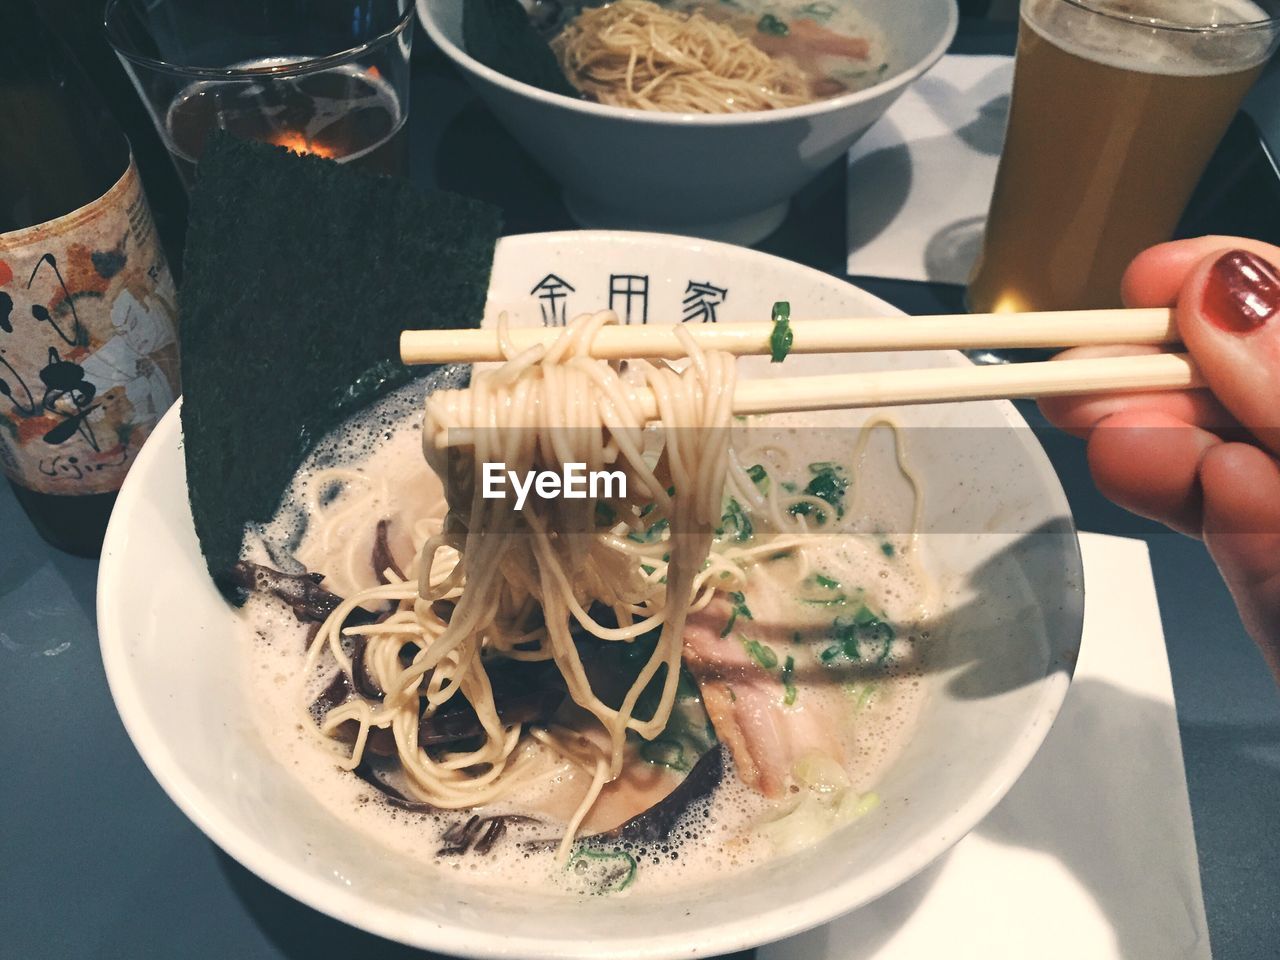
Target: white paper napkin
920, 180
1091, 855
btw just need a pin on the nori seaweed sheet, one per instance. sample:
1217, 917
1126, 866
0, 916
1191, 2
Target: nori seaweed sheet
299, 275
498, 34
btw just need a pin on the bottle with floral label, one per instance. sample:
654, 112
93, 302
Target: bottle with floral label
88, 338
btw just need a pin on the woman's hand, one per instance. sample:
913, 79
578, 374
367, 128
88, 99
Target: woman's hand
1203, 462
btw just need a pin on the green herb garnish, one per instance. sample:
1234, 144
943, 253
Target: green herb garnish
761, 653
740, 609
781, 337
605, 871
831, 592
653, 533
760, 477
828, 484
666, 753
821, 12
735, 522
771, 24
789, 692
887, 549
864, 627
606, 516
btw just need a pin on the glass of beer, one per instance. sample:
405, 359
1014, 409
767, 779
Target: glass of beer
328, 77
1117, 107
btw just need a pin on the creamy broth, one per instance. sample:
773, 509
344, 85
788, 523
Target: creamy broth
840, 623
832, 41
714, 56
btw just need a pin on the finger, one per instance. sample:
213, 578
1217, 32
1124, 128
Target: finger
1079, 415
1229, 318
1147, 462
1155, 277
1241, 487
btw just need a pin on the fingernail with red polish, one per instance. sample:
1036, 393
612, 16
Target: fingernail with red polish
1242, 292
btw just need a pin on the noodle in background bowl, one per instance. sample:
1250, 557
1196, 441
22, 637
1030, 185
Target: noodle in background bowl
1009, 550
721, 176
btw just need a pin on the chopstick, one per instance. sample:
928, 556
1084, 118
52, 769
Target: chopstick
1158, 371
1064, 328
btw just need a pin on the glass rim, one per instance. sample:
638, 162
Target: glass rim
1157, 23
294, 69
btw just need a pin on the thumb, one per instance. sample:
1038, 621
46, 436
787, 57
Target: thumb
1229, 318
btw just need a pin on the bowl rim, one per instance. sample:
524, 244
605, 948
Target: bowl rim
726, 936
587, 108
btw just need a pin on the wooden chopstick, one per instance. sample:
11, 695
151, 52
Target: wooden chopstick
1158, 371
1062, 328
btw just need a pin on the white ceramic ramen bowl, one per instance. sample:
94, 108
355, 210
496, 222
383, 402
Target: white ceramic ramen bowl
1004, 541
726, 177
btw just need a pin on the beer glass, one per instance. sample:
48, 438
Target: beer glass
329, 77
1117, 107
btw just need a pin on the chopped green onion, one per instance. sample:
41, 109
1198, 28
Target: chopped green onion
606, 871
761, 653
865, 696
830, 592
606, 516
735, 521
771, 24
760, 477
821, 12
653, 533
887, 549
789, 691
780, 339
740, 609
666, 753
850, 634
828, 484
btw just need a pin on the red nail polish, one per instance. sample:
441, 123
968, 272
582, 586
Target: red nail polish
1242, 292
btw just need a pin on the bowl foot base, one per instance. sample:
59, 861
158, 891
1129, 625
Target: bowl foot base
744, 230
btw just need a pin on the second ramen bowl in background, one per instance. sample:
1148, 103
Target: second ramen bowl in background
720, 176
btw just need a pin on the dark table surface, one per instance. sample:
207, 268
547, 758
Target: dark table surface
95, 860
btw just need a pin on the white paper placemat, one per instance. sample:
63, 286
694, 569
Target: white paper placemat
1091, 855
920, 180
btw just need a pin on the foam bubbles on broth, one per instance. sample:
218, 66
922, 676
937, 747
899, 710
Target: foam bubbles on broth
377, 462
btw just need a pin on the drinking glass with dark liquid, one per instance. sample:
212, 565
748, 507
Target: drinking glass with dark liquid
1117, 108
325, 77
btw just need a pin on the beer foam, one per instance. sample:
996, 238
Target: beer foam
1157, 36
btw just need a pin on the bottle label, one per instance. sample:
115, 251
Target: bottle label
88, 343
